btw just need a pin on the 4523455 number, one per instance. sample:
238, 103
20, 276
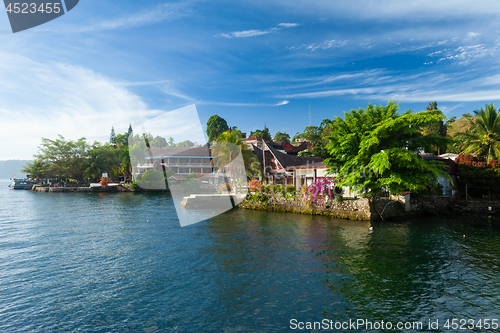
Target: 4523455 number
32, 8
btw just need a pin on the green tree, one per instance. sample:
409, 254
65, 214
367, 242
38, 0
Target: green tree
159, 142
317, 136
264, 134
377, 147
436, 128
64, 159
171, 142
102, 158
112, 136
484, 137
229, 145
186, 144
121, 140
35, 169
215, 126
130, 131
281, 136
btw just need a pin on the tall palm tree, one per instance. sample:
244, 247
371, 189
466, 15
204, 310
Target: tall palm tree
484, 137
228, 146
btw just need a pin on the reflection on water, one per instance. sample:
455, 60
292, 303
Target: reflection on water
416, 271
121, 262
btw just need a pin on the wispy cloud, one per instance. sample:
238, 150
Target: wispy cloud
69, 100
327, 44
447, 109
285, 102
288, 25
255, 32
163, 12
464, 54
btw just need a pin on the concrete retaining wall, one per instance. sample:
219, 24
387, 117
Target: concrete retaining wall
358, 209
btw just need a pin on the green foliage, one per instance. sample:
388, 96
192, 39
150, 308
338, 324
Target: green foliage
64, 159
112, 136
476, 171
264, 134
152, 179
317, 136
134, 186
377, 147
35, 169
78, 160
436, 129
256, 197
102, 158
306, 153
186, 144
229, 145
159, 142
152, 175
215, 126
484, 137
281, 136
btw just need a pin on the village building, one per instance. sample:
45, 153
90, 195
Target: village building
182, 162
280, 167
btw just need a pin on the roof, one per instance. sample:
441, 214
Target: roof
179, 152
450, 156
254, 138
177, 177
286, 160
316, 165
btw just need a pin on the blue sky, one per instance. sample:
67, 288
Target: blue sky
111, 63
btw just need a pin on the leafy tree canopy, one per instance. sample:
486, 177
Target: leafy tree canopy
215, 126
377, 147
229, 145
484, 137
264, 134
281, 136
316, 135
436, 128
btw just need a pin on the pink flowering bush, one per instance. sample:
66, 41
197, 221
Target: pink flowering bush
321, 189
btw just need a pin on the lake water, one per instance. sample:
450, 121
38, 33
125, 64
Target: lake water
81, 262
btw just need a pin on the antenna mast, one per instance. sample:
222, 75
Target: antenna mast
309, 114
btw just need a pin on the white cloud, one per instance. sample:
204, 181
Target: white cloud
327, 44
163, 12
46, 99
288, 25
253, 33
464, 54
447, 109
472, 34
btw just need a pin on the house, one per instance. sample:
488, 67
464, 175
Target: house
280, 167
181, 161
284, 146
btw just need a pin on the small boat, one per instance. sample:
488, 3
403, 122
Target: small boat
21, 183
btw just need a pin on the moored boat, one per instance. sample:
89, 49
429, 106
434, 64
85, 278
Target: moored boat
21, 183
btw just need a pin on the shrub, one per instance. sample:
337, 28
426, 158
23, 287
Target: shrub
255, 186
291, 189
104, 182
319, 190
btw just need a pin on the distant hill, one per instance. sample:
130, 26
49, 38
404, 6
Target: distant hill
12, 167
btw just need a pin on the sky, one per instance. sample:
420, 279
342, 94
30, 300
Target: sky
113, 63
